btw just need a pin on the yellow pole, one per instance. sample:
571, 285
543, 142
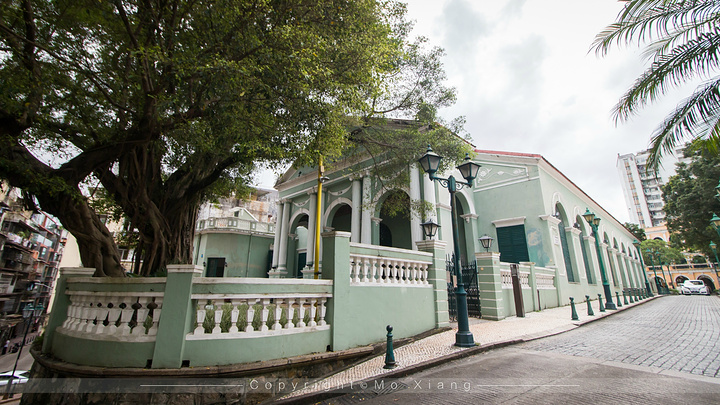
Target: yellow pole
321, 170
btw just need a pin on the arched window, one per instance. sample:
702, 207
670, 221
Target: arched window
565, 248
583, 249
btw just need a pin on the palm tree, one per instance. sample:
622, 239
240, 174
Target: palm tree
683, 42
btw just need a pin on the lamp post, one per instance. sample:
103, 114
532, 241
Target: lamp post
594, 222
430, 163
636, 243
715, 222
29, 314
659, 258
713, 247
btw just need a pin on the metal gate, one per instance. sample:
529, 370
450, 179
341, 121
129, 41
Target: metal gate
469, 279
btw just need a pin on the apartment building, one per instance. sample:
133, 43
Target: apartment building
31, 246
643, 189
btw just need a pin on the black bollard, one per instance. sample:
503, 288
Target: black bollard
617, 295
625, 298
602, 307
590, 311
389, 355
631, 296
572, 307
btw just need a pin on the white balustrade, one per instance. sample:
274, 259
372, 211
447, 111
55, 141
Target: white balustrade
545, 281
506, 277
524, 280
122, 316
223, 316
386, 271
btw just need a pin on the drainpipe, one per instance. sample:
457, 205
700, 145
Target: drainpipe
318, 212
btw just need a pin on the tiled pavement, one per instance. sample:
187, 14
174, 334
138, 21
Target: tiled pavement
486, 334
680, 333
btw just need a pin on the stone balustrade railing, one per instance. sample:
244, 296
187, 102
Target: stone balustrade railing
223, 316
506, 277
387, 271
524, 279
233, 223
545, 281
121, 316
372, 265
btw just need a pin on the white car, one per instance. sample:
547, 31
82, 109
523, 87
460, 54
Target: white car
690, 287
21, 377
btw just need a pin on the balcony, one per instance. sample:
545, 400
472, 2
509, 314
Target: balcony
234, 224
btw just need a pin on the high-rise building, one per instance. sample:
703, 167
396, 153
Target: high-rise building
31, 247
642, 188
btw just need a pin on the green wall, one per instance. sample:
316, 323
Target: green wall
246, 255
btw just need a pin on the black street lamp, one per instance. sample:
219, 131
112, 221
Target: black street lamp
486, 241
636, 243
715, 223
430, 163
29, 313
594, 222
430, 228
662, 270
713, 247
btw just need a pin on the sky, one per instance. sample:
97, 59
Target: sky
528, 82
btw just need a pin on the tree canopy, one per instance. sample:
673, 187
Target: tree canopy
657, 252
690, 200
635, 229
167, 102
682, 44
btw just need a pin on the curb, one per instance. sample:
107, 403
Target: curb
315, 397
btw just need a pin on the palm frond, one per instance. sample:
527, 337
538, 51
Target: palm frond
698, 117
697, 58
657, 20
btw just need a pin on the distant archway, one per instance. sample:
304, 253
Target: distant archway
679, 280
708, 282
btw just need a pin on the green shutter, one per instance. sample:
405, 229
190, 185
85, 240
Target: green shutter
566, 253
512, 244
585, 258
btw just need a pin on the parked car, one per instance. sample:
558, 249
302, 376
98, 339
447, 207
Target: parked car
691, 287
21, 377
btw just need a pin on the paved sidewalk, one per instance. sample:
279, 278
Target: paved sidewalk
440, 348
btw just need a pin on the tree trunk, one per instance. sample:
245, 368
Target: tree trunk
61, 198
168, 239
96, 244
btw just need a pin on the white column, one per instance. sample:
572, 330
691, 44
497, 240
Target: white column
628, 271
312, 206
415, 230
356, 210
365, 220
276, 242
429, 196
282, 260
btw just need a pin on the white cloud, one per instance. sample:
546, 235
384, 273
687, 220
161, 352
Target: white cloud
528, 81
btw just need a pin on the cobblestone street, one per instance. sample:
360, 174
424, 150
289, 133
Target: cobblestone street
664, 351
679, 333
